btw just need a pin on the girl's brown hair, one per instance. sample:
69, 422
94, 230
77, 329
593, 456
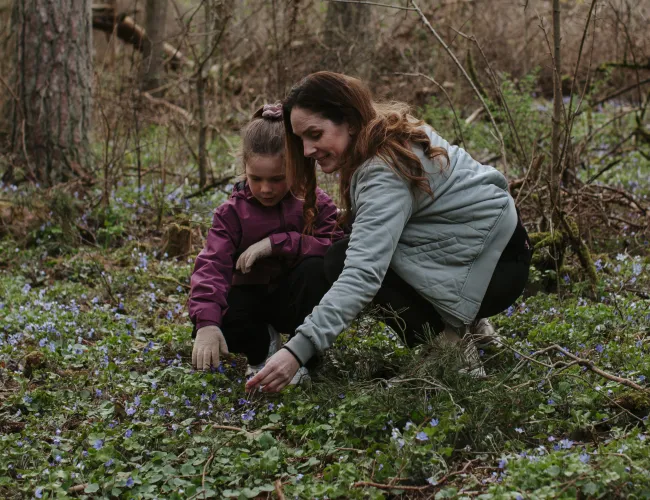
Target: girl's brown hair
263, 135
386, 130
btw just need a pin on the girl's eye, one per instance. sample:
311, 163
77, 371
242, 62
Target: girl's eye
315, 135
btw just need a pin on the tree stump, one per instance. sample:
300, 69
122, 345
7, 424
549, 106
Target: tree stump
178, 240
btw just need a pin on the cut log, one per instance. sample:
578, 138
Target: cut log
107, 20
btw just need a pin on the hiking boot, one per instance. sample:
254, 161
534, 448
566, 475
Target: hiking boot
301, 376
483, 333
471, 359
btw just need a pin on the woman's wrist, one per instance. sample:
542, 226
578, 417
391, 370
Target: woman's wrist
293, 354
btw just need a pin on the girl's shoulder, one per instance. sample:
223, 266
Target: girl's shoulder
322, 197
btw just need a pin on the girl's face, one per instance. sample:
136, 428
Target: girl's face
266, 178
322, 139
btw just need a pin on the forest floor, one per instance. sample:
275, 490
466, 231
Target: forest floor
98, 398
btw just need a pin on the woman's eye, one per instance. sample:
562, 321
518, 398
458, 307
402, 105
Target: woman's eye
315, 135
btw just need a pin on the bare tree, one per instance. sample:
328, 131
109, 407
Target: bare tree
216, 19
558, 122
51, 111
348, 36
153, 54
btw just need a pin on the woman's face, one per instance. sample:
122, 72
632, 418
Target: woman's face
322, 139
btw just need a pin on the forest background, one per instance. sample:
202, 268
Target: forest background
118, 134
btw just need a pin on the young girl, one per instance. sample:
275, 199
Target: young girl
435, 234
258, 273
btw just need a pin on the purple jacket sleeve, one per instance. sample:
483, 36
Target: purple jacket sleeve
213, 269
326, 231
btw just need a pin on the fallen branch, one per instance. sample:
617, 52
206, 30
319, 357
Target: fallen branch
79, 488
591, 366
361, 484
205, 469
165, 103
106, 19
443, 480
619, 92
218, 182
278, 489
238, 429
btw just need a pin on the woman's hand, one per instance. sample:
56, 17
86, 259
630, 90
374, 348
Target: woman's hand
256, 251
278, 372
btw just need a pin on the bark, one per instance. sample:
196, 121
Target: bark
153, 54
556, 167
200, 95
53, 77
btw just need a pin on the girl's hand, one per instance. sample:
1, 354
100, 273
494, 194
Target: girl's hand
256, 251
208, 345
278, 372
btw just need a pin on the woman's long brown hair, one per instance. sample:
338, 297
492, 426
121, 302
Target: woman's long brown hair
386, 130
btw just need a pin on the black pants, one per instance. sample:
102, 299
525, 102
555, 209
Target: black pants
508, 281
284, 305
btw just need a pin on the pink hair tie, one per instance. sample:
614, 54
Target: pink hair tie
272, 111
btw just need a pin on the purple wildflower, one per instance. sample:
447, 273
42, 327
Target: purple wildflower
248, 415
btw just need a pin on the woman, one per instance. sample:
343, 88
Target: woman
433, 230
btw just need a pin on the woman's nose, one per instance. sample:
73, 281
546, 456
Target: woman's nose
309, 149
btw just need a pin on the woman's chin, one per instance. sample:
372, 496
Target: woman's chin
328, 167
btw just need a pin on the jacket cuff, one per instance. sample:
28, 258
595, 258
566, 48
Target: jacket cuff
201, 324
301, 347
293, 354
277, 242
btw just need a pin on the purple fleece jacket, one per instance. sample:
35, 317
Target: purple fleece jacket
242, 221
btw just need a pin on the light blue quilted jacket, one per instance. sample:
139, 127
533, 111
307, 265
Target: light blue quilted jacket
445, 247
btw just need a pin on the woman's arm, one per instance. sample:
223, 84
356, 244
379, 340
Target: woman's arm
213, 269
384, 204
296, 245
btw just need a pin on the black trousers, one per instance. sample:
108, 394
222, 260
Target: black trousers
284, 305
508, 281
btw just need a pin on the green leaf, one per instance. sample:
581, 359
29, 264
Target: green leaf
553, 471
91, 488
590, 488
274, 418
187, 469
266, 440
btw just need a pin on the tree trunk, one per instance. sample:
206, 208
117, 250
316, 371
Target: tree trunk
200, 95
153, 55
556, 167
52, 116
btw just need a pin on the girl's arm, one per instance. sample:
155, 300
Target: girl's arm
326, 231
213, 268
384, 205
